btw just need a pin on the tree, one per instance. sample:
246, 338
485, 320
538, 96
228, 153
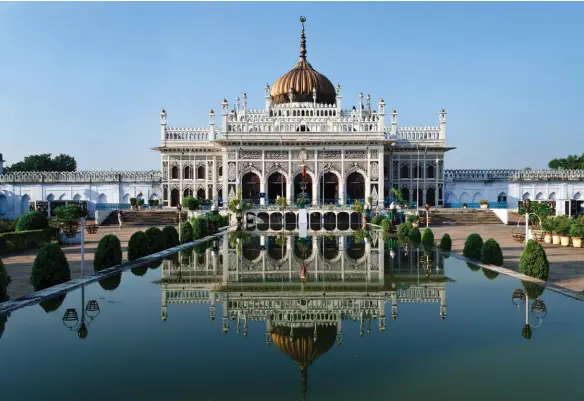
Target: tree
572, 162
43, 162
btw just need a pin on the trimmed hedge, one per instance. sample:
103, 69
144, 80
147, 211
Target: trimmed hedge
428, 237
376, 220
386, 225
111, 283
445, 243
490, 274
473, 246
139, 271
32, 221
51, 305
155, 240
170, 237
50, 267
533, 261
491, 254
18, 241
199, 228
108, 253
4, 280
415, 236
532, 290
403, 230
138, 246
186, 232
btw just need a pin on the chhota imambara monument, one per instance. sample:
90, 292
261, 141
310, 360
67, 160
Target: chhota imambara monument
303, 141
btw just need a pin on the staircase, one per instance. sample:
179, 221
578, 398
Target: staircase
464, 216
146, 218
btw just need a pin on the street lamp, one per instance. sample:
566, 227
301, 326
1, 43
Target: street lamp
427, 207
538, 310
527, 207
71, 318
179, 209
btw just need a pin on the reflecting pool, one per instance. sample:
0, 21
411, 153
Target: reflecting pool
319, 318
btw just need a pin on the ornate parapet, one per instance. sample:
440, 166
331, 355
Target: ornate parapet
82, 176
414, 134
187, 134
514, 175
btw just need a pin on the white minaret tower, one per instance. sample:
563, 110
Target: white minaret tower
162, 128
394, 123
267, 97
339, 97
360, 105
381, 114
212, 125
314, 97
442, 119
244, 98
224, 111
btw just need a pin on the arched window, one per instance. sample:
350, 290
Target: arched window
405, 172
201, 173
174, 173
502, 197
220, 171
430, 172
188, 173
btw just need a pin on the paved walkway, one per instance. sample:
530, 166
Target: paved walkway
18, 265
566, 263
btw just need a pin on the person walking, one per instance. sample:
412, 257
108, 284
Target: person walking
120, 218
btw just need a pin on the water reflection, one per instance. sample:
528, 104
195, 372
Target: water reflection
538, 308
304, 288
72, 319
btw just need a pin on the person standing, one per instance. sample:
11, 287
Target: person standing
120, 218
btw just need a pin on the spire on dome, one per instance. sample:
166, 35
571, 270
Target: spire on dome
302, 40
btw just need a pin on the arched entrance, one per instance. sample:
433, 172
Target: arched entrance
431, 197
250, 186
302, 185
3, 205
24, 206
329, 188
174, 197
276, 186
201, 194
355, 187
188, 192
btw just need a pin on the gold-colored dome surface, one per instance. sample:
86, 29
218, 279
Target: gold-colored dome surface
303, 348
303, 80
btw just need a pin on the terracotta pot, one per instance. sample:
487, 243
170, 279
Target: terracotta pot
577, 242
565, 240
547, 238
555, 239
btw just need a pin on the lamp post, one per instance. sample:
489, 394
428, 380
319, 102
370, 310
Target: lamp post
418, 182
88, 313
427, 207
538, 309
179, 209
527, 207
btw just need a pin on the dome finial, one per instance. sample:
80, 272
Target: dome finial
302, 40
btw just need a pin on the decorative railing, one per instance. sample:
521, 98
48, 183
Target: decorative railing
475, 205
514, 175
414, 134
83, 176
187, 134
112, 206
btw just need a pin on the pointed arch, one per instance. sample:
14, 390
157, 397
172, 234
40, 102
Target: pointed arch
526, 195
77, 197
552, 196
464, 197
539, 196
477, 197
102, 198
126, 198
50, 197
3, 204
24, 206
63, 197
451, 197
577, 196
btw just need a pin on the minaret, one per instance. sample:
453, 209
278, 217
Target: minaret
224, 112
339, 97
244, 103
360, 105
442, 293
394, 305
394, 123
163, 308
162, 128
381, 114
314, 97
267, 97
442, 119
212, 125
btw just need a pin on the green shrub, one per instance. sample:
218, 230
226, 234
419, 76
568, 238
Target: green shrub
376, 220
111, 283
51, 305
133, 202
155, 240
138, 246
32, 221
192, 203
50, 267
533, 261
7, 226
68, 213
186, 232
491, 254
445, 243
548, 224
415, 236
108, 253
473, 246
490, 274
473, 267
532, 290
385, 225
170, 236
428, 237
577, 230
4, 280
563, 224
139, 271
412, 218
199, 228
22, 240
403, 230
139, 202
150, 202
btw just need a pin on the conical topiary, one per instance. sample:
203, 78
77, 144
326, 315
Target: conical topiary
50, 267
473, 247
108, 253
533, 261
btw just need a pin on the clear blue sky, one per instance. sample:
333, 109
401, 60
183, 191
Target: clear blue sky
89, 79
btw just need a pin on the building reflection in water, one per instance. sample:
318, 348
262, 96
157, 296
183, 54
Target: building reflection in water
304, 288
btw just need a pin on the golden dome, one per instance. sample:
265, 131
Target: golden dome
303, 80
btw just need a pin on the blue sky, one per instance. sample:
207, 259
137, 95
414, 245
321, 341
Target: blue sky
89, 79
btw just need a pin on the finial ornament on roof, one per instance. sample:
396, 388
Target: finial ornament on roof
302, 40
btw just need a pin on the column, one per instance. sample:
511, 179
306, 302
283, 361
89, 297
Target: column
442, 293
214, 178
180, 177
168, 181
381, 260
437, 176
368, 178
315, 180
381, 178
343, 179
290, 180
163, 309
225, 185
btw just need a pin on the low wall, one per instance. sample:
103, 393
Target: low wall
502, 214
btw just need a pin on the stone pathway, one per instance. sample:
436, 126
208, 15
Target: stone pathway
566, 263
18, 265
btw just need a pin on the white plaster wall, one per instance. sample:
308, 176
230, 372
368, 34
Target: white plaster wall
14, 198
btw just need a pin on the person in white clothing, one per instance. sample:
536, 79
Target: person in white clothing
120, 218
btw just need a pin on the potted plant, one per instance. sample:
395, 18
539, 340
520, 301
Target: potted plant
464, 205
368, 205
577, 233
484, 204
358, 207
139, 203
133, 203
281, 201
68, 217
150, 203
156, 203
414, 220
301, 202
547, 225
563, 224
